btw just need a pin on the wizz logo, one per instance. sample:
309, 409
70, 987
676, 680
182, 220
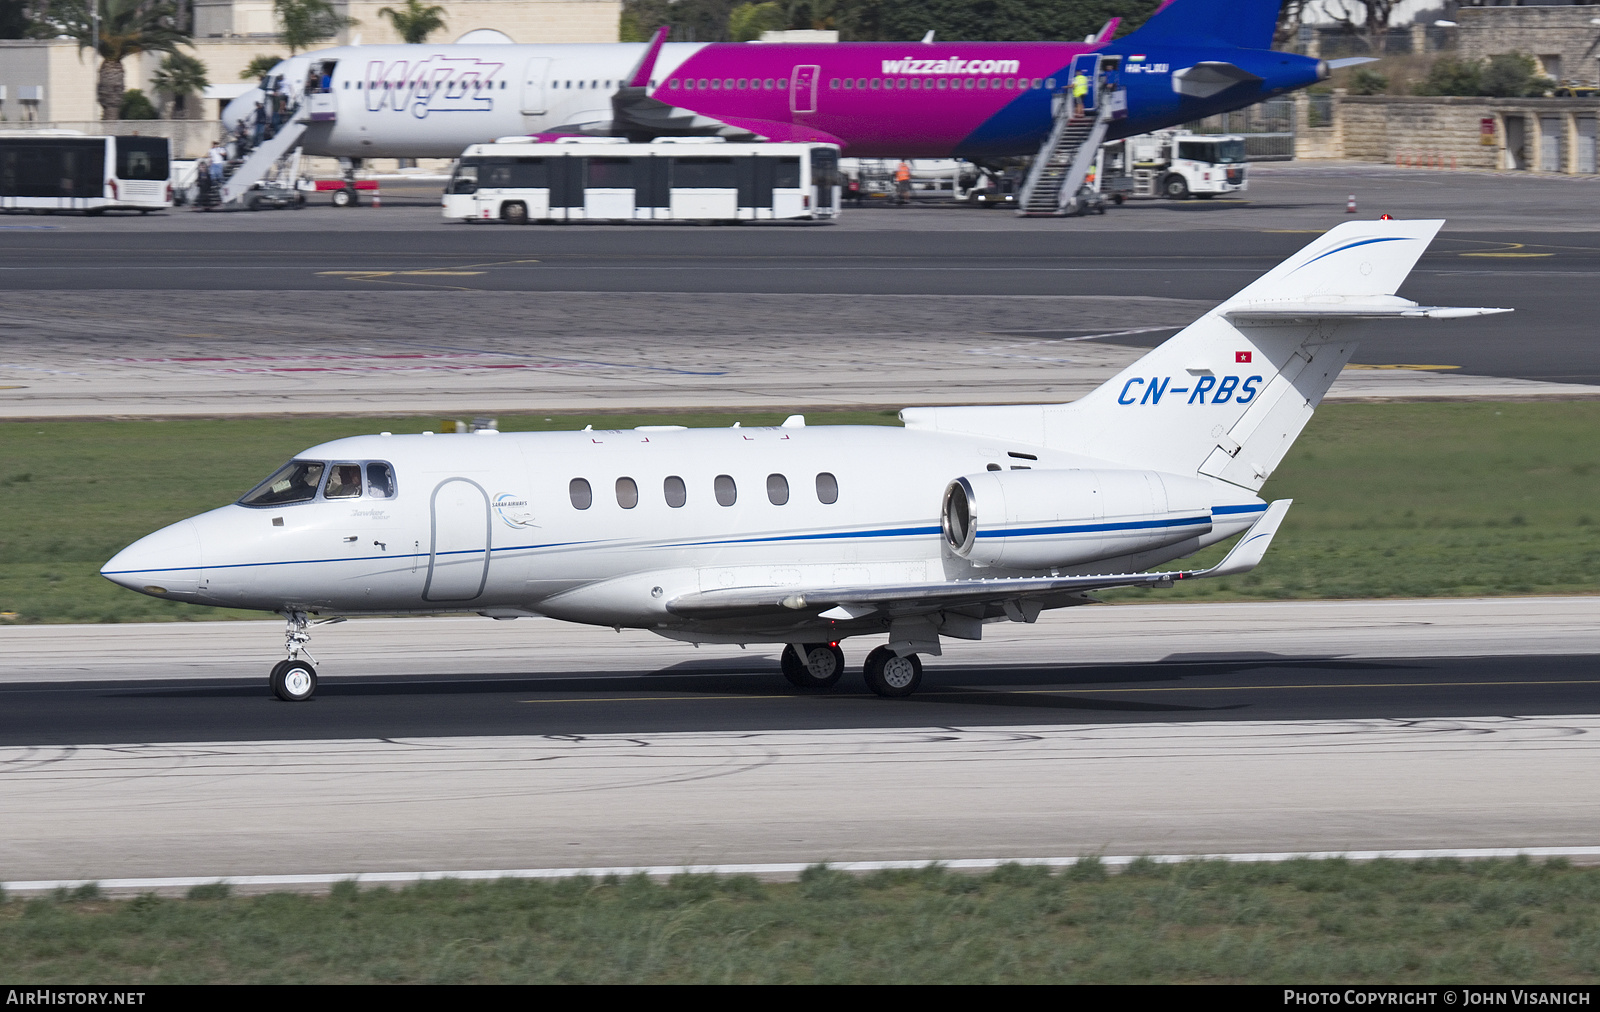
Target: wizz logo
434, 84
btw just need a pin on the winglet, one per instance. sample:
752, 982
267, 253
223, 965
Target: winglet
1253, 546
640, 76
1109, 30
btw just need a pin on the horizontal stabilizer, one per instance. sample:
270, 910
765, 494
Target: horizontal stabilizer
1380, 308
845, 603
1203, 80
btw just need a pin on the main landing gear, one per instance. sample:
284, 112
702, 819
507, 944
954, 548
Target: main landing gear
294, 680
820, 665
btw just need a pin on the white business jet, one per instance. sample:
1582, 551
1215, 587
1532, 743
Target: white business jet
808, 535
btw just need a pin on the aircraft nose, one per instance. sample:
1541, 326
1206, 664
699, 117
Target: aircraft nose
164, 564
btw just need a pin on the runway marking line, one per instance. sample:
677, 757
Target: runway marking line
1416, 368
1507, 251
1075, 692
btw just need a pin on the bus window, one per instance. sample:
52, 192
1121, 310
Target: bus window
788, 174
344, 482
294, 482
142, 158
703, 173
466, 178
612, 173
380, 481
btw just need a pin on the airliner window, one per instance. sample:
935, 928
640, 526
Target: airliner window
727, 491
344, 482
295, 481
380, 481
777, 489
675, 491
827, 488
582, 496
627, 493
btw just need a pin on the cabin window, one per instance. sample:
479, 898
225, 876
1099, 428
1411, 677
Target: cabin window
295, 481
673, 84
767, 84
627, 493
916, 83
1010, 83
993, 467
581, 494
834, 84
704, 83
943, 84
1037, 83
827, 489
861, 82
728, 84
777, 489
727, 491
874, 84
849, 83
900, 83
1050, 83
380, 481
675, 491
742, 83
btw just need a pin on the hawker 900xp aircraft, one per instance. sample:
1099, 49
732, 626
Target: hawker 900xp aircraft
807, 536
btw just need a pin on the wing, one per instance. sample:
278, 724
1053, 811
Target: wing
850, 602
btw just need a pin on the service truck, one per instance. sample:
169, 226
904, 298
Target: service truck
1175, 164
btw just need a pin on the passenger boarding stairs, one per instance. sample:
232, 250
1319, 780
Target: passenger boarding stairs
265, 158
1063, 163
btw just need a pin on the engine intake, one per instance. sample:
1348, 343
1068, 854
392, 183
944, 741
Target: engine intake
1038, 519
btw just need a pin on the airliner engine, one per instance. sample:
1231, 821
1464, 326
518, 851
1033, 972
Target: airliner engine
1037, 519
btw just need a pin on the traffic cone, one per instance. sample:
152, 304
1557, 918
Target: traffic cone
377, 198
1350, 205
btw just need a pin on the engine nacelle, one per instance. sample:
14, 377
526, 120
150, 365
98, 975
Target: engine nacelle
1038, 519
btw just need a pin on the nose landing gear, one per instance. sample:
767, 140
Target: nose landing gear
294, 680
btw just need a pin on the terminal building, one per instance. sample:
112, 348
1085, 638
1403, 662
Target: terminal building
51, 83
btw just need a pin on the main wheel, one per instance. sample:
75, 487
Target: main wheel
1175, 188
514, 213
344, 198
819, 667
890, 675
294, 681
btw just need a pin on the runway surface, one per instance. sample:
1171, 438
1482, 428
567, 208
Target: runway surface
1127, 663
382, 311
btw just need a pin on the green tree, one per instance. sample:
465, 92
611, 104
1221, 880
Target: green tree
1367, 81
136, 105
1452, 75
414, 22
178, 77
15, 19
304, 23
1513, 75
747, 21
127, 28
259, 67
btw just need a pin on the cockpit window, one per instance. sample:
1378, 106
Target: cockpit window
380, 481
344, 482
295, 481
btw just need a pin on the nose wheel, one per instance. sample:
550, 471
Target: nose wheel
813, 665
294, 681
890, 675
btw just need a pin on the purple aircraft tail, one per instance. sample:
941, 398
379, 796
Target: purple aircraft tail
1246, 24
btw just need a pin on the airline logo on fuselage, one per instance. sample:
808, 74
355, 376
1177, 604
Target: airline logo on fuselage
1198, 390
433, 84
951, 66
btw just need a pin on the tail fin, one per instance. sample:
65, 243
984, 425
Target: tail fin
1227, 396
1247, 24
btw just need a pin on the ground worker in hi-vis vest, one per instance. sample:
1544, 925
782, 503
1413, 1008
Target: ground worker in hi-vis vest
1080, 91
902, 183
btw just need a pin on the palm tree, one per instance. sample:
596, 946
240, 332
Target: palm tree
307, 22
180, 76
127, 28
414, 22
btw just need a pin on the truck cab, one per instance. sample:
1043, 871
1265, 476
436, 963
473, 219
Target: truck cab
1175, 164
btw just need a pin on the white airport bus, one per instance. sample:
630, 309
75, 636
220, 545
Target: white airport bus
522, 179
63, 170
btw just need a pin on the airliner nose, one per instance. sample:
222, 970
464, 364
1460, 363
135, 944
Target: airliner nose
164, 564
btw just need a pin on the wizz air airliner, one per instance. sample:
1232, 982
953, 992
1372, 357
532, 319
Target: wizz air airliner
808, 535
1191, 59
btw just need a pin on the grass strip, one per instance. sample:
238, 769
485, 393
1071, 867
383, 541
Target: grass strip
1391, 500
1300, 922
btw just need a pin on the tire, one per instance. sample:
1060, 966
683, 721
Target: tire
890, 675
514, 213
344, 198
819, 667
299, 201
1119, 199
1175, 188
253, 204
294, 681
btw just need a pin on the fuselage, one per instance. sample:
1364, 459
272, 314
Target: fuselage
609, 527
959, 99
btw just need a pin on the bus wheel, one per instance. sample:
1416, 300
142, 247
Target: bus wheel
514, 213
344, 198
